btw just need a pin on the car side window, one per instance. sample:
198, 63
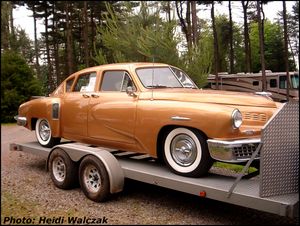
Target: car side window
185, 81
116, 81
69, 84
85, 83
127, 82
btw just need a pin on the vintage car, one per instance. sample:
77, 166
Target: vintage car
150, 108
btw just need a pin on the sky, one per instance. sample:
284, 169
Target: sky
24, 19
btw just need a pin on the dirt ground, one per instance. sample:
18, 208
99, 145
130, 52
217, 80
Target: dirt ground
29, 196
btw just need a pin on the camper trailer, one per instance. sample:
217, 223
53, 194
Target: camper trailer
252, 82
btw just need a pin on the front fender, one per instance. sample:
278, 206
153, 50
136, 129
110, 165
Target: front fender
213, 120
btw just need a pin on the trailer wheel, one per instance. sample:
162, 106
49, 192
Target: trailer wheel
44, 134
94, 179
186, 152
63, 170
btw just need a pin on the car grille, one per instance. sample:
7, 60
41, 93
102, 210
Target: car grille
255, 116
245, 151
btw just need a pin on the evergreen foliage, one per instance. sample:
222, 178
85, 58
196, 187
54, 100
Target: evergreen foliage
273, 45
145, 37
18, 84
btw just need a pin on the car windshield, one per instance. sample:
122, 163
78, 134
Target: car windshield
164, 77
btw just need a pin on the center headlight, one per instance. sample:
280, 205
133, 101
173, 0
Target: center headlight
237, 118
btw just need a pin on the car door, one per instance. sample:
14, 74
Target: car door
75, 105
112, 111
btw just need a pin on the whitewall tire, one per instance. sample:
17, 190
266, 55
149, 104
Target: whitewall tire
186, 152
43, 134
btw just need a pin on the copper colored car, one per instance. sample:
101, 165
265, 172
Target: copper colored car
150, 108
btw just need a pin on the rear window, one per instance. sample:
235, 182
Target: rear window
85, 83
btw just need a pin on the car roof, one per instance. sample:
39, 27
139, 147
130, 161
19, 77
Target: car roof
124, 66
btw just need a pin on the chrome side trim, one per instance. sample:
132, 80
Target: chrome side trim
179, 118
226, 151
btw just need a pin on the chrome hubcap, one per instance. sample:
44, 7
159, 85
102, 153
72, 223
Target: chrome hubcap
92, 178
59, 169
44, 129
183, 150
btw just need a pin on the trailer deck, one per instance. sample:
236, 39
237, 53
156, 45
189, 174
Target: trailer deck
142, 168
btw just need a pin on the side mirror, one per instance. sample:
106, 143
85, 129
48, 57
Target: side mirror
130, 91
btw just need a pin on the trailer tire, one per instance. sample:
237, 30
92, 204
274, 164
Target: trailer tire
43, 133
63, 170
94, 179
186, 152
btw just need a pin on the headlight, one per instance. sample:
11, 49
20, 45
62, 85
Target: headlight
237, 118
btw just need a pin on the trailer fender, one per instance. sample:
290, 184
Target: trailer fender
114, 170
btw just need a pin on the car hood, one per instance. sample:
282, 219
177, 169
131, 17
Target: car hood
213, 96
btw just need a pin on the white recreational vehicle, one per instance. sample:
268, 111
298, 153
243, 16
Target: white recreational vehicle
252, 82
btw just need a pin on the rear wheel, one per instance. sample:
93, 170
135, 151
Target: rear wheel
44, 134
94, 179
186, 152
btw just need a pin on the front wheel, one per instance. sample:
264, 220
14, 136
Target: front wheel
186, 152
44, 134
63, 171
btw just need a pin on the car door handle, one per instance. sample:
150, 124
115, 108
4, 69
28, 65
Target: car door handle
95, 95
85, 95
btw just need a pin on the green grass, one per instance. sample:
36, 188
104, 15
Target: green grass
9, 124
16, 207
234, 167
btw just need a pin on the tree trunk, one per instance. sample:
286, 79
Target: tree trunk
50, 71
262, 23
286, 56
261, 45
5, 25
231, 40
36, 51
246, 37
169, 11
92, 31
11, 17
181, 19
194, 22
216, 46
56, 46
70, 60
189, 26
85, 35
12, 38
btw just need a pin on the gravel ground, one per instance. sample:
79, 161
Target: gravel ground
24, 176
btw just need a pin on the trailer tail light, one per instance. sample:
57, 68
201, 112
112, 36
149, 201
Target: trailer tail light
202, 194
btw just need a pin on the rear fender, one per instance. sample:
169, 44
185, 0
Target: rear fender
48, 108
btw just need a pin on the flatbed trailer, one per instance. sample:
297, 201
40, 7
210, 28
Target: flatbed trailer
267, 192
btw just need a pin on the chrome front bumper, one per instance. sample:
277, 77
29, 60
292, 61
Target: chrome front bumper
21, 121
233, 151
